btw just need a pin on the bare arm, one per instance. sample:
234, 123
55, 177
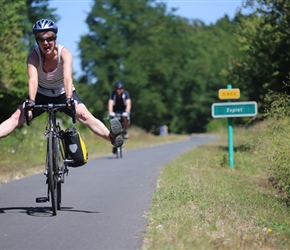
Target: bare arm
128, 105
67, 71
32, 64
110, 105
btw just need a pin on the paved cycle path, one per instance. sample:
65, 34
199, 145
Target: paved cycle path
104, 202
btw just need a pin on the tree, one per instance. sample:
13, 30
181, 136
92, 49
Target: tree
15, 40
264, 39
133, 42
36, 9
12, 56
170, 65
211, 48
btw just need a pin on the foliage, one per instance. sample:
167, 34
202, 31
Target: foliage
170, 71
12, 56
172, 66
16, 38
210, 62
216, 125
264, 40
274, 145
125, 38
36, 10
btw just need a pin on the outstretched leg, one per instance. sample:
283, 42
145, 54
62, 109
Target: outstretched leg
97, 127
14, 121
126, 123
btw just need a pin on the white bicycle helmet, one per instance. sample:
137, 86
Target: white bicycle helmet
44, 25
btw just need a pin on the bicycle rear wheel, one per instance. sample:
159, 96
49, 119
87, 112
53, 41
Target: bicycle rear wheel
117, 153
52, 181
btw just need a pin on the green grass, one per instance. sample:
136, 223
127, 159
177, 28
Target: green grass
23, 152
202, 203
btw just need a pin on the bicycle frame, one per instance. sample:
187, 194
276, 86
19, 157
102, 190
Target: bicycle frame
56, 163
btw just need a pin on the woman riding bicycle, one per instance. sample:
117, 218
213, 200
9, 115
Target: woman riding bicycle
49, 68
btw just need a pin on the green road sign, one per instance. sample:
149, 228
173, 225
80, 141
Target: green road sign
234, 109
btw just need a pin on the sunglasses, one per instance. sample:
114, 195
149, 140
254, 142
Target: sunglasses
48, 39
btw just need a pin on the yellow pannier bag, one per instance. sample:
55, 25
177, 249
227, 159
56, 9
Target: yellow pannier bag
75, 147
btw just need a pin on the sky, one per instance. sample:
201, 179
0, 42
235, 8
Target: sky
73, 13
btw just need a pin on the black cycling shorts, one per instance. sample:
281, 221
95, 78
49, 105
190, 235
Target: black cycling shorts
44, 100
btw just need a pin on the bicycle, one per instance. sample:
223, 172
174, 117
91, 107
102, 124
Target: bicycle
56, 162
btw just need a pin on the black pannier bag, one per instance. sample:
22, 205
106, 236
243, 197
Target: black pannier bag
75, 147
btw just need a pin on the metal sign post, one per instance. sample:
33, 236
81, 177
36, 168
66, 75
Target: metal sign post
230, 110
231, 142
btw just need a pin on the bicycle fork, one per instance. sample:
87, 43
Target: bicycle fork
47, 198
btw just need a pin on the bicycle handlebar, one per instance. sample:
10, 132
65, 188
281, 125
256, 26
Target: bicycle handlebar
50, 106
108, 117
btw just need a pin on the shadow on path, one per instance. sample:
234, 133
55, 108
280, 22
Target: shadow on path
40, 211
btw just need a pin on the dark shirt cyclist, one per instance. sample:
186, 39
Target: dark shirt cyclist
120, 103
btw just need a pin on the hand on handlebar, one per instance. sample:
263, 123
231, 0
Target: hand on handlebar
70, 102
29, 104
112, 114
126, 114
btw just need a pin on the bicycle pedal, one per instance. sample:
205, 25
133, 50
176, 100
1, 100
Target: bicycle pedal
41, 199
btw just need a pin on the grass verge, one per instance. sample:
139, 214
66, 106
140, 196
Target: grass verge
23, 152
201, 203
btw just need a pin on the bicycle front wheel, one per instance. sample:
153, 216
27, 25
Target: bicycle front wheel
121, 152
52, 181
59, 168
